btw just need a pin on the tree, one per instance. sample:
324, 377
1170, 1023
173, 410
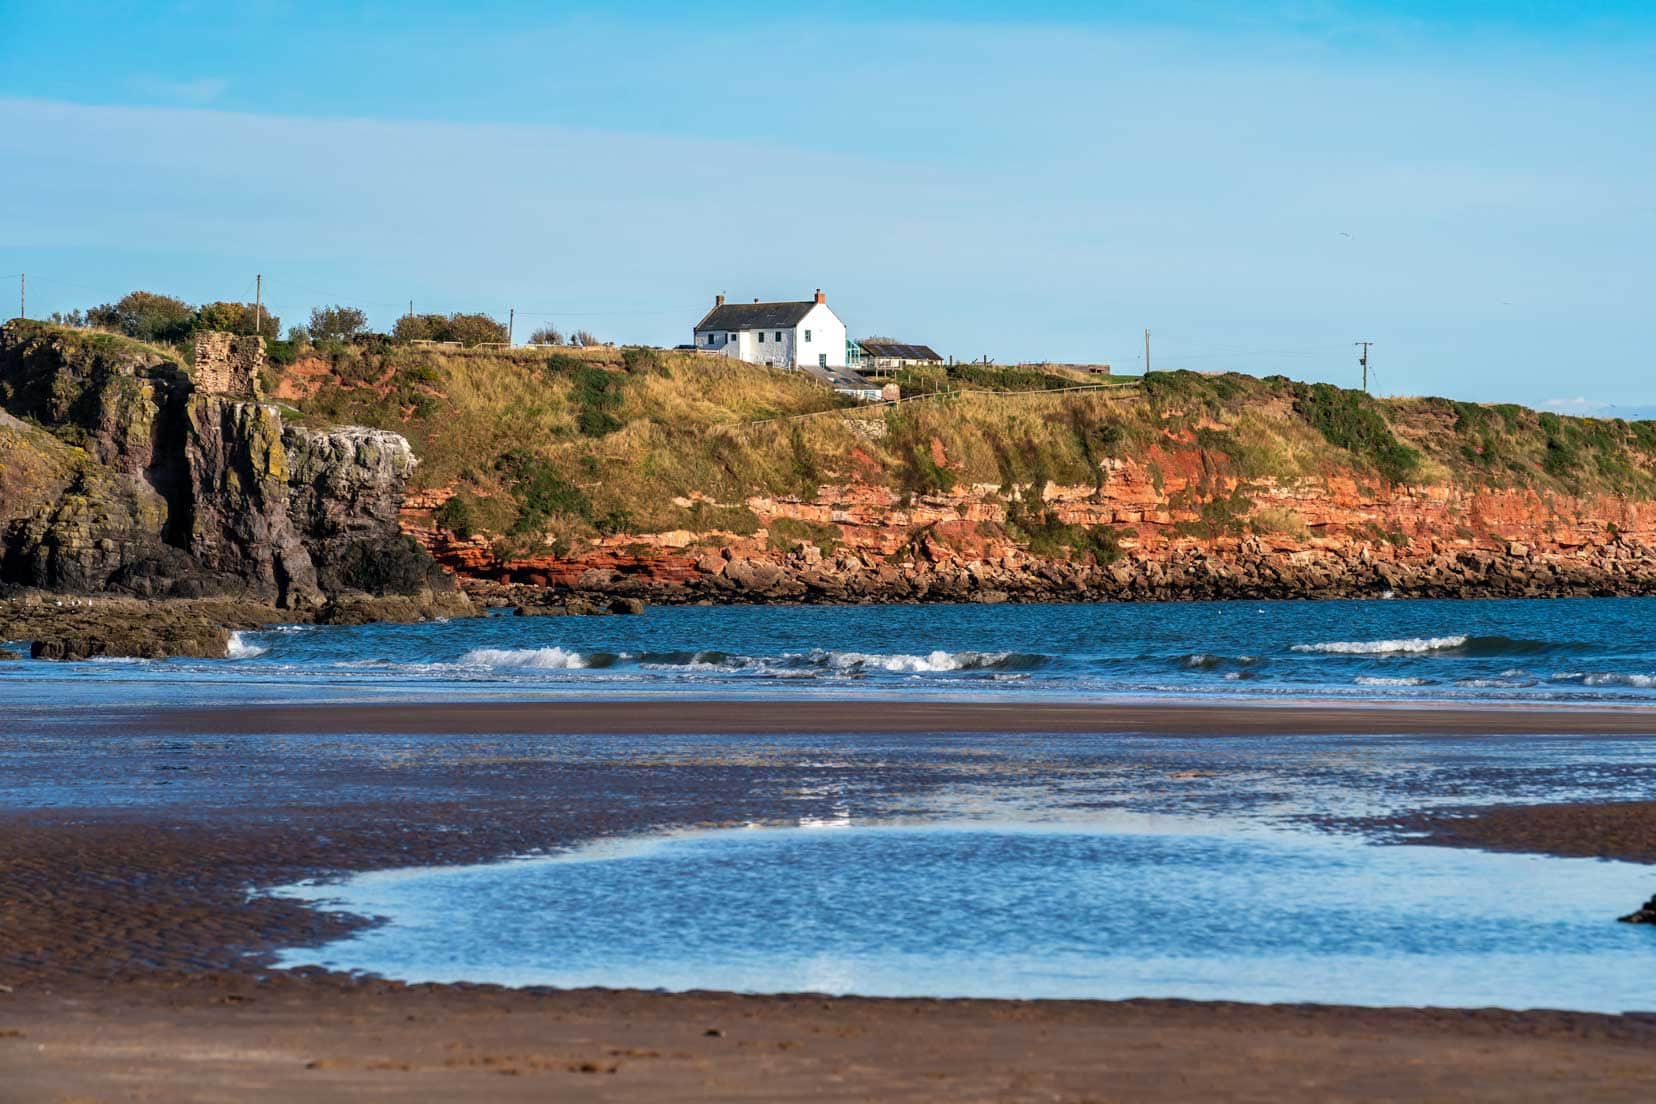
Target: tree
72, 318
474, 329
145, 315
546, 335
582, 338
419, 327
336, 323
237, 318
468, 329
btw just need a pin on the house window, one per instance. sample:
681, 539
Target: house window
807, 335
761, 335
822, 360
779, 336
710, 339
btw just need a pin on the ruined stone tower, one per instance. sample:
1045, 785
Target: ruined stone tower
228, 365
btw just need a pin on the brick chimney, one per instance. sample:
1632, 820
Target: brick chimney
718, 300
821, 298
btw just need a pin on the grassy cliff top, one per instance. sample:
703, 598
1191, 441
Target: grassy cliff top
605, 440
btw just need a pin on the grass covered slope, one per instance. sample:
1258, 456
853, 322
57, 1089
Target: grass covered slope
557, 449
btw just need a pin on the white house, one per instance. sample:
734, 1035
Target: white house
783, 335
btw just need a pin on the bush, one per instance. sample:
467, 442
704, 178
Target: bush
639, 359
145, 315
1352, 421
540, 492
546, 335
467, 329
238, 318
456, 517
596, 395
336, 323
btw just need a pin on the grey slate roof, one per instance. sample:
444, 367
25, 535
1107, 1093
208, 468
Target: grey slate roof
755, 316
898, 351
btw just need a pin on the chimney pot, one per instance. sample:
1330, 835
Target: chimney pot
718, 300
821, 298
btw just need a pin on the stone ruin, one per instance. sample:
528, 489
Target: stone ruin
228, 364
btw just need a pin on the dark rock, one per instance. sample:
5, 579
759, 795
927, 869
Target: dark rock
626, 605
1645, 914
7, 655
540, 611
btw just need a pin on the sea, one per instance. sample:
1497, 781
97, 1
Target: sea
1022, 865
1542, 651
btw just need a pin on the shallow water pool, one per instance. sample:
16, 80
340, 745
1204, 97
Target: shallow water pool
1160, 907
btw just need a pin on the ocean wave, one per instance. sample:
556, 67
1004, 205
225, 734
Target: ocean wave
932, 661
1459, 643
239, 648
1374, 680
540, 659
1415, 645
1640, 682
1494, 683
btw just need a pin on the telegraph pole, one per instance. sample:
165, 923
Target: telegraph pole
1363, 359
511, 320
1147, 352
258, 304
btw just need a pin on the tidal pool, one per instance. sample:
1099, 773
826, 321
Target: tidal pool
1163, 907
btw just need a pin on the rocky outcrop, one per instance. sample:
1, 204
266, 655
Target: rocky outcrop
1645, 914
1161, 541
121, 476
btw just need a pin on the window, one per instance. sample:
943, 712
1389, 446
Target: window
822, 360
779, 335
761, 335
807, 335
710, 339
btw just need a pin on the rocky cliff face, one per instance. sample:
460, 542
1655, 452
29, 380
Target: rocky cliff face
118, 474
1331, 537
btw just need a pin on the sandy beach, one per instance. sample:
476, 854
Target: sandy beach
667, 716
135, 965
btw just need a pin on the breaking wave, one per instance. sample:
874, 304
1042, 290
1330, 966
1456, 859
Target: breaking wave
543, 659
1374, 680
239, 648
1474, 646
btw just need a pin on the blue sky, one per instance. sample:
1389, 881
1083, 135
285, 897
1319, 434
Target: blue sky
1467, 184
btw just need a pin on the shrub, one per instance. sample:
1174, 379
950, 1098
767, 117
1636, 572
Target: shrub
596, 395
1352, 421
455, 515
336, 323
146, 316
546, 335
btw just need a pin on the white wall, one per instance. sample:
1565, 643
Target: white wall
827, 336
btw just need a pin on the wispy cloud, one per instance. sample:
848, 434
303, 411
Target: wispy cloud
200, 90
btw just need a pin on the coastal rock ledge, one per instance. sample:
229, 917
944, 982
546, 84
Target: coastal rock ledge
120, 475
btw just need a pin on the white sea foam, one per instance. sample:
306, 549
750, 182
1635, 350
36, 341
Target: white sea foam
1372, 680
1411, 646
1642, 682
935, 661
239, 648
536, 658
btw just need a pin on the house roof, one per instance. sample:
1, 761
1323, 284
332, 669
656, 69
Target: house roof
755, 316
898, 350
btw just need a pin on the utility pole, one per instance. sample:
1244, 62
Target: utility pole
1147, 352
258, 304
511, 321
1363, 358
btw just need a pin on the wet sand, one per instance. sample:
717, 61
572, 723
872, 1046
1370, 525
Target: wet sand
133, 963
806, 717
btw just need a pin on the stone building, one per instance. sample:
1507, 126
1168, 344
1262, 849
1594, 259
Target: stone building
228, 364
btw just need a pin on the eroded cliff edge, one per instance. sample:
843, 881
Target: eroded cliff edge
119, 476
